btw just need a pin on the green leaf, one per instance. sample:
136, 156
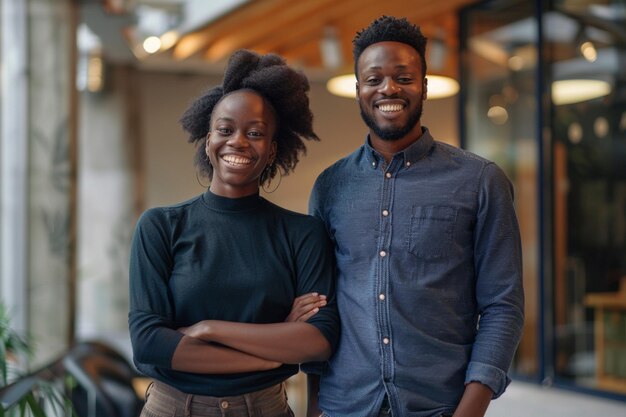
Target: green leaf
34, 406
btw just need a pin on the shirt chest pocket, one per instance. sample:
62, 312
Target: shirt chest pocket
430, 231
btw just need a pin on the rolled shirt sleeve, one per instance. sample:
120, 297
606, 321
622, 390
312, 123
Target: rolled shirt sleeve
499, 290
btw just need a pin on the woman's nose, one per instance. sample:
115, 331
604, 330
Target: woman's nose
238, 140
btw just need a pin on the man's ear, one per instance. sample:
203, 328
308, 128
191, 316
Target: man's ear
356, 85
425, 89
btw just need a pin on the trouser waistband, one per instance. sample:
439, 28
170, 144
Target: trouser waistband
164, 398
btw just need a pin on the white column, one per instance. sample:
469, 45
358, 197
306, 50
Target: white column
14, 160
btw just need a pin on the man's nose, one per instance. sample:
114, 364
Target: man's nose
389, 87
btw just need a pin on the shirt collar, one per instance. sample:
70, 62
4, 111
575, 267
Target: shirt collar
411, 154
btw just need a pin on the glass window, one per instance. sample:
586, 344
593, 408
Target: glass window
580, 119
588, 87
500, 115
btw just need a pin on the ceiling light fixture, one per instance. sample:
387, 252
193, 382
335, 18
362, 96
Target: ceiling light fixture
330, 49
152, 44
575, 91
439, 86
588, 51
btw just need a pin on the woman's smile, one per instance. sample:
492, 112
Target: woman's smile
240, 144
236, 160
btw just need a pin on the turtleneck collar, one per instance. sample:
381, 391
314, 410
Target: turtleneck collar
216, 202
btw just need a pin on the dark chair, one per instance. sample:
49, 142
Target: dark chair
104, 380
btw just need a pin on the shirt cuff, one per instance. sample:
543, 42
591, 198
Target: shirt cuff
496, 379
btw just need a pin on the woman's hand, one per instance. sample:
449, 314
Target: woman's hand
306, 306
201, 330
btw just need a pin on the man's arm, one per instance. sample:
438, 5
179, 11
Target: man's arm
499, 287
313, 390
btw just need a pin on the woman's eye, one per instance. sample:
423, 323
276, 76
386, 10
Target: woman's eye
223, 130
255, 134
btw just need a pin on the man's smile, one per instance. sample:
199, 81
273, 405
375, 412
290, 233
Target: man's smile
390, 107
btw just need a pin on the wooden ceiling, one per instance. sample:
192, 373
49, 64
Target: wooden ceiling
295, 28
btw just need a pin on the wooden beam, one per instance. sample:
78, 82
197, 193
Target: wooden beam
194, 42
308, 54
289, 16
284, 26
288, 39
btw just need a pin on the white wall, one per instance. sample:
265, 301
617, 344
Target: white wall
170, 176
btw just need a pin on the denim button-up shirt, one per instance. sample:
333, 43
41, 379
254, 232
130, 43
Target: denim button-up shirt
429, 278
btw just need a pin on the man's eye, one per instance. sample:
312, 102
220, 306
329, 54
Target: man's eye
255, 134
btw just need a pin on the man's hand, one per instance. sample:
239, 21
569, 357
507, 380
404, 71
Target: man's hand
306, 306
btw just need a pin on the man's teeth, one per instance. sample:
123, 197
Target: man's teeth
390, 107
236, 159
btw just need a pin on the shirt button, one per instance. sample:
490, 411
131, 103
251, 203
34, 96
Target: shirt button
224, 404
386, 340
373, 164
385, 213
408, 163
383, 253
381, 297
388, 174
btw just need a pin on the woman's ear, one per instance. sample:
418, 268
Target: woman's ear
273, 152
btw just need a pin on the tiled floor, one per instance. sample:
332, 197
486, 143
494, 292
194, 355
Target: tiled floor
530, 400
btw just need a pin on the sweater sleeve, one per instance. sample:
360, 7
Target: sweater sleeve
151, 319
316, 273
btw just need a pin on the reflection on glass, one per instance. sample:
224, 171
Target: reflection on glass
590, 213
500, 118
498, 115
575, 133
575, 91
583, 143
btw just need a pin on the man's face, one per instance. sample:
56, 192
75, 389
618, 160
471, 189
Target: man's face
391, 90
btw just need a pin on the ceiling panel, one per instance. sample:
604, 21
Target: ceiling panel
295, 29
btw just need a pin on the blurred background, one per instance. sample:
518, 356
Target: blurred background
91, 92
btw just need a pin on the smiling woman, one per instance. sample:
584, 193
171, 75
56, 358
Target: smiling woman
241, 143
229, 292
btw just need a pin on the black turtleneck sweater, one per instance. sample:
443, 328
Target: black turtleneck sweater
242, 260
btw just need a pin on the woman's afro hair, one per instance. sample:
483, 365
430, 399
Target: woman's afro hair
283, 87
389, 28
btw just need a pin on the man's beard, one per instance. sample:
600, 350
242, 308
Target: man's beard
393, 133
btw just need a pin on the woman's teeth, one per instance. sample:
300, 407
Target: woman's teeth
236, 160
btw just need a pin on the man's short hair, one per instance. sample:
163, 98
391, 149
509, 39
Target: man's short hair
390, 29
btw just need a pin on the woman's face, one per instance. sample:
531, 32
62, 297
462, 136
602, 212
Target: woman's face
240, 143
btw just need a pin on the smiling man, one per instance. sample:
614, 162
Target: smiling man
428, 254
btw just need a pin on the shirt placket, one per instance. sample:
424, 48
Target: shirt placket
382, 281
